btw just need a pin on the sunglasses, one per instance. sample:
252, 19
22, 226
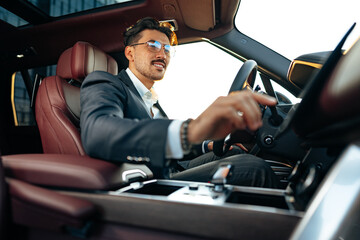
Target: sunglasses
155, 46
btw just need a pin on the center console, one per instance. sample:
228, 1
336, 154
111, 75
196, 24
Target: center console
207, 210
63, 187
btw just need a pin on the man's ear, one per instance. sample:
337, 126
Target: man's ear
129, 54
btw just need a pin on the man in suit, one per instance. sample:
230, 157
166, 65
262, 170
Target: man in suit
121, 120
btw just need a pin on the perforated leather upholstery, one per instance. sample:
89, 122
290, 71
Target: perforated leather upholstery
57, 105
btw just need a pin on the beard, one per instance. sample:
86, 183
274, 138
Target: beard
149, 71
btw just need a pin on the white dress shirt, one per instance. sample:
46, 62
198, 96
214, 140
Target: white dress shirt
149, 97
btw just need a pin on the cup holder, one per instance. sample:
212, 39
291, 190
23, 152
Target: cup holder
152, 188
258, 200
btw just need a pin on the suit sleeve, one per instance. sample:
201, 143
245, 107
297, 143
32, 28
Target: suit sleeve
105, 131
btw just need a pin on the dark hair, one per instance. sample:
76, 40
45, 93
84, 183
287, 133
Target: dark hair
132, 34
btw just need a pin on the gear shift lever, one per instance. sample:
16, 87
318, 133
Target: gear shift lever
220, 176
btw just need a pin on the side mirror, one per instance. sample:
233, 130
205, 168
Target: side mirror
304, 67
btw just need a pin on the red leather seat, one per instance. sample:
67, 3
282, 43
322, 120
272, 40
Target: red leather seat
4, 203
57, 105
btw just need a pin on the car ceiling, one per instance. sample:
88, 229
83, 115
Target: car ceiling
45, 38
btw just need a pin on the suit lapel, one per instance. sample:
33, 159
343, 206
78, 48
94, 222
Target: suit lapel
124, 77
157, 105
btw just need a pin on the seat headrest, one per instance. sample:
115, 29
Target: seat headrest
82, 59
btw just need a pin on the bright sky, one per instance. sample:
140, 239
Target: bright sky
199, 72
195, 78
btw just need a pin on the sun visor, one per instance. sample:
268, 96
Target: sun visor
199, 14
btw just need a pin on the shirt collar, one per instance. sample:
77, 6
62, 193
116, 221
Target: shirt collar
140, 87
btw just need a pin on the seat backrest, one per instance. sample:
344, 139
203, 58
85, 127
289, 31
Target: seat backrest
57, 106
4, 206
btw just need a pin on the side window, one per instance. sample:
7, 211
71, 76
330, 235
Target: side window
23, 115
196, 76
20, 98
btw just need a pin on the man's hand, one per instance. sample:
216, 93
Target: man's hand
237, 111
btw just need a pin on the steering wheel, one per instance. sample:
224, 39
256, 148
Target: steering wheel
300, 118
244, 79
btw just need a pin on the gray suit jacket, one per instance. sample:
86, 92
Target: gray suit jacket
115, 125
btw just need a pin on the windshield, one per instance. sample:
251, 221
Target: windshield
297, 27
